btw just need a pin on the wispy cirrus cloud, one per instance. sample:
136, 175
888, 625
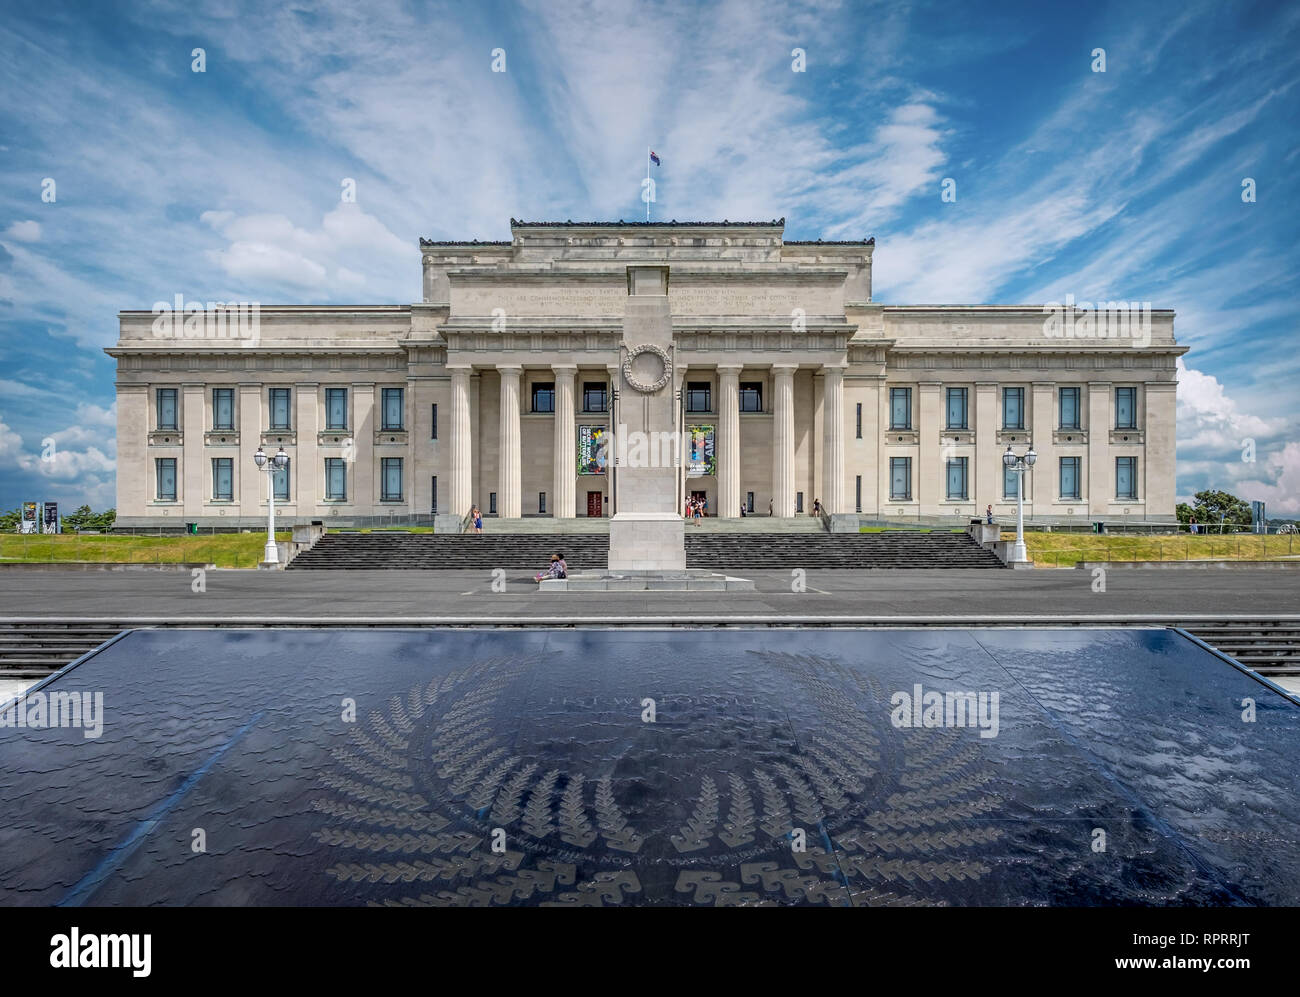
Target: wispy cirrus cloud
227, 184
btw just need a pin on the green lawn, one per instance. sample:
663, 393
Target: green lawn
1064, 550
225, 550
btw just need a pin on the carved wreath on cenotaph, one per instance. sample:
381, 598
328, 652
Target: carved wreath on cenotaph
643, 386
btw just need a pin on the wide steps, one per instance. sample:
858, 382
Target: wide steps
733, 552
35, 649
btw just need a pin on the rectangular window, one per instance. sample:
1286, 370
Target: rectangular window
900, 408
699, 396
223, 479
544, 396
223, 408
492, 503
751, 396
336, 408
167, 408
1010, 483
541, 503
390, 479
1069, 477
280, 482
957, 478
857, 504
749, 501
798, 501
1070, 408
280, 409
433, 496
593, 396
859, 417
900, 478
394, 408
1126, 408
433, 422
956, 408
336, 479
1126, 477
165, 468
1013, 408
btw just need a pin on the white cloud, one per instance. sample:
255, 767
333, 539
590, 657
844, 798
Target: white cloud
1215, 434
75, 464
24, 231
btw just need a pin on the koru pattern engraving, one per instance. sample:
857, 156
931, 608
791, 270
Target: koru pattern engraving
414, 795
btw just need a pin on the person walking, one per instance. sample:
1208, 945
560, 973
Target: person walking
817, 507
1191, 522
769, 507
988, 514
478, 519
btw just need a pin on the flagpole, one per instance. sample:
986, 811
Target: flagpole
647, 183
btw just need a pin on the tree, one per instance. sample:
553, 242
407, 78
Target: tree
9, 520
1215, 506
1184, 513
79, 520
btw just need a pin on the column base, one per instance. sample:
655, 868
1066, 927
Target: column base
647, 541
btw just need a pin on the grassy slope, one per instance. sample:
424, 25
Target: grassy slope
1064, 549
225, 550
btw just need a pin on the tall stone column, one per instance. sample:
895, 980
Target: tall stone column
783, 439
833, 447
563, 499
509, 489
728, 441
459, 494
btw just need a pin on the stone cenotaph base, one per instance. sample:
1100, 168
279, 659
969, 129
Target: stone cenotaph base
647, 545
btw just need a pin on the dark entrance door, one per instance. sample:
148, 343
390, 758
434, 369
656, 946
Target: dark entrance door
595, 509
702, 496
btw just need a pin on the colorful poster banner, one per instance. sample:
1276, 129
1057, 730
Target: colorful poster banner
701, 459
593, 449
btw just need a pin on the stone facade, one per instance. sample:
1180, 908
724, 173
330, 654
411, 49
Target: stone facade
478, 394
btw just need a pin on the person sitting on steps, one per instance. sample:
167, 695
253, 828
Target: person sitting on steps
558, 569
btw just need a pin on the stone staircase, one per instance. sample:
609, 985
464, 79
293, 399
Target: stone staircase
544, 524
35, 648
757, 524
452, 552
893, 549
720, 551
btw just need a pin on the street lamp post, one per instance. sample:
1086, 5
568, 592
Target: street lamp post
1019, 464
270, 465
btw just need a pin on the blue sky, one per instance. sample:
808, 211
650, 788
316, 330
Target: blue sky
226, 184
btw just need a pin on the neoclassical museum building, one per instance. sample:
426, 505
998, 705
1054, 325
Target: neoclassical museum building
497, 389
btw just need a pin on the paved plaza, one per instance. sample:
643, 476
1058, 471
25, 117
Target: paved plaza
469, 595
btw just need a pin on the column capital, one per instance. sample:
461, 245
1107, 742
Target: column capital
784, 369
509, 369
729, 368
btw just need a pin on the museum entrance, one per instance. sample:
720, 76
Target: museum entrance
702, 497
595, 505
